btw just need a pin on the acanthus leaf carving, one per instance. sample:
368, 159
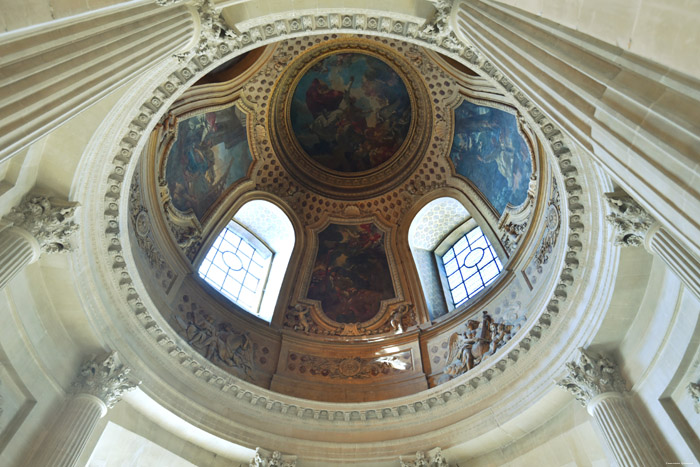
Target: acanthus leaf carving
48, 220
630, 221
593, 375
105, 378
263, 458
433, 458
214, 34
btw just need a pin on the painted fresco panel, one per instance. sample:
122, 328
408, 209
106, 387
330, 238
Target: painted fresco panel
489, 150
350, 112
209, 155
351, 274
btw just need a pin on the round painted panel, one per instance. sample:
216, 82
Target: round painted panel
350, 112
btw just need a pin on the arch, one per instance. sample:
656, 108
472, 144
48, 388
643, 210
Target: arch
248, 259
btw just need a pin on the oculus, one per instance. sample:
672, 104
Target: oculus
350, 112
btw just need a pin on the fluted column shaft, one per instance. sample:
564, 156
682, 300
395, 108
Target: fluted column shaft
17, 249
629, 443
686, 266
71, 432
53, 72
596, 382
100, 384
637, 118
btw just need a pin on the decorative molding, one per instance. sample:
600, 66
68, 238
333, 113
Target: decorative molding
349, 368
593, 375
298, 26
264, 458
630, 221
694, 390
300, 318
552, 226
105, 378
49, 220
214, 33
432, 458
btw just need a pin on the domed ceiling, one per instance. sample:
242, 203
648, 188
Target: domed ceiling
355, 141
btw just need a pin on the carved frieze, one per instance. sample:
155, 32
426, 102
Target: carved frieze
104, 377
552, 226
630, 221
432, 458
299, 318
592, 375
481, 340
264, 458
314, 366
49, 220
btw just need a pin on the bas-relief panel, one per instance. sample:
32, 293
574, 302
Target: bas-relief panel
351, 274
489, 150
350, 112
209, 154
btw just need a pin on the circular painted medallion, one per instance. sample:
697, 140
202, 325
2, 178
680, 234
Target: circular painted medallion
350, 112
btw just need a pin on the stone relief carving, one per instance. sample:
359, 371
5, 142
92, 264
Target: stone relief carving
552, 226
629, 220
214, 32
300, 318
481, 340
217, 341
349, 368
432, 458
296, 26
594, 374
104, 377
693, 389
515, 224
265, 458
49, 220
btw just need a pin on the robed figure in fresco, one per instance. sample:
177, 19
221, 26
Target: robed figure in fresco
209, 154
351, 274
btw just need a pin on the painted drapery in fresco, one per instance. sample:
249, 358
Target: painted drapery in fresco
489, 150
351, 273
350, 112
209, 155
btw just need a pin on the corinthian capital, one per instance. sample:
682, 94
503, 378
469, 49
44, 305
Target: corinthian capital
49, 220
594, 374
630, 221
105, 378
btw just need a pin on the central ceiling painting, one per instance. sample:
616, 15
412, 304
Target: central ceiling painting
350, 112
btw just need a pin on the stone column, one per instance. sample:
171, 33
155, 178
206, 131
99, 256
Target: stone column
99, 385
634, 227
637, 118
51, 72
596, 382
37, 225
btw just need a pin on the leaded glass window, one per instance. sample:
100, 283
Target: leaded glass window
237, 265
470, 265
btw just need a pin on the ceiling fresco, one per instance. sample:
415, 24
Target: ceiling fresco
489, 150
351, 273
210, 153
350, 112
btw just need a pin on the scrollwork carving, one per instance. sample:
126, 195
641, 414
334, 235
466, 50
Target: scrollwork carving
594, 374
300, 318
552, 227
264, 458
629, 220
349, 368
104, 377
432, 458
49, 220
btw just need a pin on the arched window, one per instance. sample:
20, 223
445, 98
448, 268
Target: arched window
248, 260
454, 259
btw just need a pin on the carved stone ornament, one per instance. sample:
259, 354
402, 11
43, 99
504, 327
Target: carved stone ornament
630, 221
104, 377
481, 340
694, 390
49, 220
433, 458
214, 32
593, 375
300, 318
265, 458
